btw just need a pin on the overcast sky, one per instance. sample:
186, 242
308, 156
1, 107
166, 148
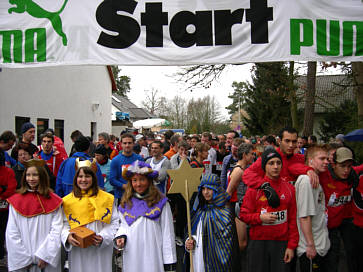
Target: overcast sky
160, 78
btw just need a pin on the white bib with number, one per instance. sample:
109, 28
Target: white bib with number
281, 217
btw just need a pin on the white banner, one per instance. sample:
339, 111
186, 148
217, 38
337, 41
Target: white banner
178, 32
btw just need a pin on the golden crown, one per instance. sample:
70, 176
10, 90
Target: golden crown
86, 163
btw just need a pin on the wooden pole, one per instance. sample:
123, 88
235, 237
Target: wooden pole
189, 224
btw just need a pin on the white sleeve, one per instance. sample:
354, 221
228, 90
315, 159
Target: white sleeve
109, 230
18, 255
168, 236
213, 157
123, 227
49, 251
65, 233
305, 203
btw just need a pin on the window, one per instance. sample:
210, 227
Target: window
59, 128
19, 121
93, 130
42, 126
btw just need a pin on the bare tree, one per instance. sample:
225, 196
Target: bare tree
199, 75
153, 102
310, 99
178, 111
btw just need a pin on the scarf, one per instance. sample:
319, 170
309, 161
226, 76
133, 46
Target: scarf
140, 208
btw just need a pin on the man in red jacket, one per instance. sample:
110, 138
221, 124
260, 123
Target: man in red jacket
7, 189
52, 157
337, 184
292, 166
273, 234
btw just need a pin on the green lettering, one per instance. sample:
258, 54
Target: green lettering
295, 42
348, 40
321, 38
41, 44
17, 45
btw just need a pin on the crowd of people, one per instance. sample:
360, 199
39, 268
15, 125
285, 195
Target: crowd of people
284, 201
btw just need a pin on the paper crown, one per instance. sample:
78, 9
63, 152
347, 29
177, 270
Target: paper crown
34, 162
86, 163
140, 168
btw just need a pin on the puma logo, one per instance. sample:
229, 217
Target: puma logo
37, 11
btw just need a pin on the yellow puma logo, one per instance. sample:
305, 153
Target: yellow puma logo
37, 11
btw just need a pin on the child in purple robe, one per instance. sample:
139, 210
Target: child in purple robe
146, 232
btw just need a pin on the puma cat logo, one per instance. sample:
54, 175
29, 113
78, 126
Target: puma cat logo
37, 11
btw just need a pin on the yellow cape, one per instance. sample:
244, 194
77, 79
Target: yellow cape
81, 211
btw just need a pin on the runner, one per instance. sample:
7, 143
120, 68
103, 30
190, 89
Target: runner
337, 184
121, 161
159, 163
311, 215
273, 233
293, 165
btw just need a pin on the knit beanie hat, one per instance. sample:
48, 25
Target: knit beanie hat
267, 155
26, 126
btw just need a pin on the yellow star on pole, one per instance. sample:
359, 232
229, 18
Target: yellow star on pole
183, 174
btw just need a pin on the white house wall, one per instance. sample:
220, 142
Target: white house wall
78, 95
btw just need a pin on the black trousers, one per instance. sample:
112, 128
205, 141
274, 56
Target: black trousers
345, 232
358, 249
267, 256
318, 264
179, 209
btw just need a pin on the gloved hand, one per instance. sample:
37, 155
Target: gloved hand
271, 195
3, 188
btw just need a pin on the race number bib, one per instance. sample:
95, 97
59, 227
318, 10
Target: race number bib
4, 204
281, 218
207, 165
338, 201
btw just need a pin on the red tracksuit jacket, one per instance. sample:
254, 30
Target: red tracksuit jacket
7, 178
292, 167
338, 198
285, 227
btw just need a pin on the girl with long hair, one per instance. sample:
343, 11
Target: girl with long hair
35, 223
88, 206
146, 232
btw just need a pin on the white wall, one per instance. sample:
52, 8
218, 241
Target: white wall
65, 93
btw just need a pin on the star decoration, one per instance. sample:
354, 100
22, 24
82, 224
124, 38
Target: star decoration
181, 175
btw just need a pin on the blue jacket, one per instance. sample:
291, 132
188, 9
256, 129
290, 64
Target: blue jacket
9, 161
117, 163
67, 171
105, 169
